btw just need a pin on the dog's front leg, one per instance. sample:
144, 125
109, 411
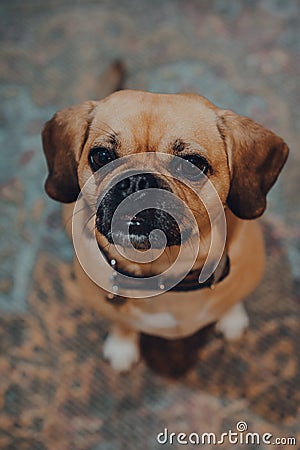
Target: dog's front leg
234, 323
121, 348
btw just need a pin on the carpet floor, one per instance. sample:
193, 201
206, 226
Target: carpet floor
56, 391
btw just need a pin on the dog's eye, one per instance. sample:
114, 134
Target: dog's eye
99, 156
196, 167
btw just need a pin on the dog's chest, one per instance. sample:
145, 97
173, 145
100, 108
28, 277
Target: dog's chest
169, 315
157, 320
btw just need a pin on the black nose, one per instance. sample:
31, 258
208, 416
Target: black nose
135, 183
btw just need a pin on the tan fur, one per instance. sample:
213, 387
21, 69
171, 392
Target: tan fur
246, 159
199, 308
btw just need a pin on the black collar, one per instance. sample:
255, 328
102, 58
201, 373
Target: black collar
189, 283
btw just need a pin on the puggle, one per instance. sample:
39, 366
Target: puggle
238, 157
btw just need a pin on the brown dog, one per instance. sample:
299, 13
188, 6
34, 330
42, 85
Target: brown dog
240, 158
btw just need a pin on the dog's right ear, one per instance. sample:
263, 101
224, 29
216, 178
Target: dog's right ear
64, 137
257, 156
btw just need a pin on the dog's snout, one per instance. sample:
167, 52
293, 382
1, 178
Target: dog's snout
136, 227
135, 183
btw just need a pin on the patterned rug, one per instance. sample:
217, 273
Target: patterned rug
57, 392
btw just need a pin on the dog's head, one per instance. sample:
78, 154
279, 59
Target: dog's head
240, 157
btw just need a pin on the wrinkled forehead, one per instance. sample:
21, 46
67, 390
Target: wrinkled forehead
151, 121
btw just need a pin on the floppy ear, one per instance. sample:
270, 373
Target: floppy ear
256, 157
64, 137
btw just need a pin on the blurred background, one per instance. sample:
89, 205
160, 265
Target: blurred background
56, 392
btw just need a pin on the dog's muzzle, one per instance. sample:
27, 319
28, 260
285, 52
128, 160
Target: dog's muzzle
136, 229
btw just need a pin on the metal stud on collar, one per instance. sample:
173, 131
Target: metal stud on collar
113, 297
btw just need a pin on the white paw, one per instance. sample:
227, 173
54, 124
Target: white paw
234, 323
121, 352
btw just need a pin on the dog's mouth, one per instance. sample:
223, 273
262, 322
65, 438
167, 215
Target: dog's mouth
151, 227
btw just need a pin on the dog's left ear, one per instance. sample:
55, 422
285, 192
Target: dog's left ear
256, 157
64, 137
